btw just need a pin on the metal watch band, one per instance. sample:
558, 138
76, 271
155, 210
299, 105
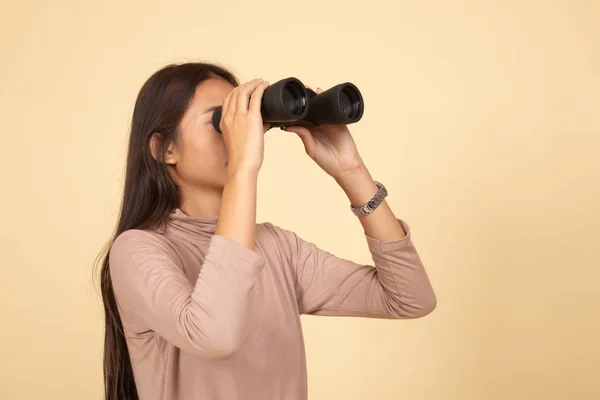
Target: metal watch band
372, 204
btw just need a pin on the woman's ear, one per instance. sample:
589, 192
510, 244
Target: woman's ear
170, 155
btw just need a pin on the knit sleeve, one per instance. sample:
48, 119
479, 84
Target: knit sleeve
206, 317
395, 285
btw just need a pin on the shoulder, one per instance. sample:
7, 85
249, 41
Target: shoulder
136, 247
138, 240
285, 240
270, 231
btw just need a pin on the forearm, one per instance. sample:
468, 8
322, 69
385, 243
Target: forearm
360, 187
237, 217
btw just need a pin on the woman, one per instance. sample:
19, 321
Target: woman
200, 301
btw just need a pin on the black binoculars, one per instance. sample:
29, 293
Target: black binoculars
288, 102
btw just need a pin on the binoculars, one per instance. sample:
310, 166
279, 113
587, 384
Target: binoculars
289, 102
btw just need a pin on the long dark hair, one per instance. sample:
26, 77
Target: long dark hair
149, 194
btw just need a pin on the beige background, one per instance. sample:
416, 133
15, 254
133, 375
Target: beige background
482, 118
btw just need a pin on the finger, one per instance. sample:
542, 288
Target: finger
224, 110
226, 103
243, 95
256, 97
231, 98
308, 87
306, 137
229, 105
318, 91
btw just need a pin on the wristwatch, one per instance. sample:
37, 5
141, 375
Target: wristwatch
372, 204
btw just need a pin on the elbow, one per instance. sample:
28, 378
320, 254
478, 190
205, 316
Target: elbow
216, 348
426, 305
419, 307
423, 303
213, 341
222, 348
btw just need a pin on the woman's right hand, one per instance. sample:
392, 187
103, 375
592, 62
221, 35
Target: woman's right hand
242, 125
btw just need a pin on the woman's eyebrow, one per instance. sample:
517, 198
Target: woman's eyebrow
212, 108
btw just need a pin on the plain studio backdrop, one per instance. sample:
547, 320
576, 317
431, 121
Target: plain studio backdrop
481, 117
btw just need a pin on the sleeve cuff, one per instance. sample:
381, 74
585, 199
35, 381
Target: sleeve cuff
380, 246
235, 250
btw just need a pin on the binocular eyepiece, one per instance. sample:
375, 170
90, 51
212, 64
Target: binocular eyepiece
289, 102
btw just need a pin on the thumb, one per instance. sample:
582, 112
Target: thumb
295, 129
305, 136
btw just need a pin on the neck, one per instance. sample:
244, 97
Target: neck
201, 202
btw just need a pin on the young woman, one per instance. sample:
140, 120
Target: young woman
201, 302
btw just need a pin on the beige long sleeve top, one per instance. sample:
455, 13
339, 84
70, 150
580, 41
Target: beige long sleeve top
207, 318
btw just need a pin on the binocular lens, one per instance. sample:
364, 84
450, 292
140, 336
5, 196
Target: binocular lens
294, 98
350, 102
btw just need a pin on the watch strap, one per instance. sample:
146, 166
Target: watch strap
372, 204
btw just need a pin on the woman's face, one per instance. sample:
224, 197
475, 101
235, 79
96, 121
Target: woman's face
201, 158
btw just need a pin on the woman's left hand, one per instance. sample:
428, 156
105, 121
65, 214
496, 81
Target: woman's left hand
330, 146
